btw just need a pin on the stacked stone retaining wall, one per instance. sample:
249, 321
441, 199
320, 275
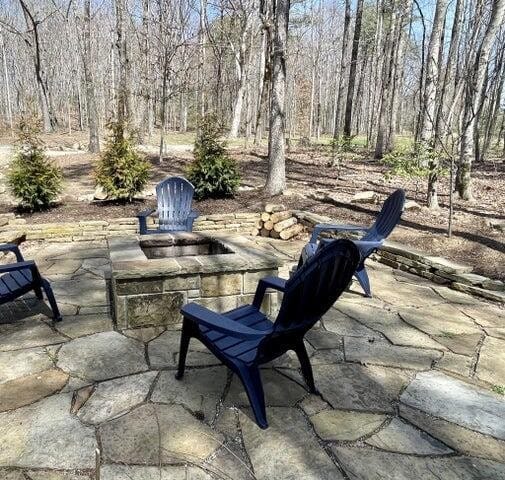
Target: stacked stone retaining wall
89, 230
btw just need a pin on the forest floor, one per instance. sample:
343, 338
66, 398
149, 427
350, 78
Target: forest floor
311, 177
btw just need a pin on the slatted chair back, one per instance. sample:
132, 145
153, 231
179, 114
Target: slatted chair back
388, 217
175, 195
315, 287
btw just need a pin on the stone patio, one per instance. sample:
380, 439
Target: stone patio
408, 382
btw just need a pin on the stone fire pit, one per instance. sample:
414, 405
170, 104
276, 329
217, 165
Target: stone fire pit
154, 275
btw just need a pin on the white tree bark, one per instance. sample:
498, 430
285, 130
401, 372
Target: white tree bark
276, 179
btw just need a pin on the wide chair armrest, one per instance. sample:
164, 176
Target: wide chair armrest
11, 247
13, 267
216, 321
367, 247
146, 213
191, 218
267, 282
326, 227
142, 216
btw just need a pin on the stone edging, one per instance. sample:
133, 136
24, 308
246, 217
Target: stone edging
437, 269
90, 230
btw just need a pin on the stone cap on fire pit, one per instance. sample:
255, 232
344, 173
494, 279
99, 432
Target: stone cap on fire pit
186, 252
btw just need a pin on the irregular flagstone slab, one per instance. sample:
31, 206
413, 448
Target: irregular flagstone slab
81, 325
25, 390
452, 362
287, 449
46, 435
199, 390
73, 251
357, 297
81, 396
463, 344
367, 464
115, 397
457, 402
154, 433
58, 475
23, 362
325, 357
27, 334
63, 266
491, 365
496, 332
163, 351
401, 437
440, 320
135, 472
279, 390
344, 425
102, 356
11, 474
448, 325
322, 339
228, 462
82, 291
486, 315
453, 296
144, 334
390, 325
459, 438
381, 353
313, 404
341, 324
404, 294
355, 387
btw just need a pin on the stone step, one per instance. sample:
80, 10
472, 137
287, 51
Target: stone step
463, 416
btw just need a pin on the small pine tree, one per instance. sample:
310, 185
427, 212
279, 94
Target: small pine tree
121, 171
213, 173
32, 177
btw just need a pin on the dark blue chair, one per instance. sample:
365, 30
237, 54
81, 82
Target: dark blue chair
21, 277
373, 237
244, 338
174, 195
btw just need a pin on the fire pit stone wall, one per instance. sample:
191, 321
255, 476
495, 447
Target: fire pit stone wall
150, 289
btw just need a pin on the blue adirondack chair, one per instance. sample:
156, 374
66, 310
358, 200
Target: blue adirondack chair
21, 277
244, 338
175, 195
373, 237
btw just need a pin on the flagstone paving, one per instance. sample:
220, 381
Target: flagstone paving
408, 383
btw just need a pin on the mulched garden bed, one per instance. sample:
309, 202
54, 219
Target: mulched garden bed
474, 241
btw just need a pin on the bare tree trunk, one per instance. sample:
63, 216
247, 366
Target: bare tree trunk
352, 70
473, 101
146, 77
429, 107
343, 70
94, 142
387, 71
264, 77
7, 86
201, 62
123, 96
276, 179
32, 26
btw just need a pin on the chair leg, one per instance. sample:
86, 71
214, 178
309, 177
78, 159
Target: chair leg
183, 349
303, 358
251, 379
362, 276
38, 292
52, 301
